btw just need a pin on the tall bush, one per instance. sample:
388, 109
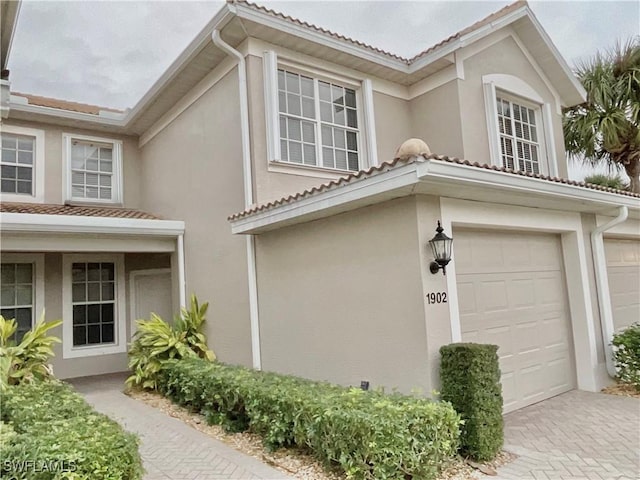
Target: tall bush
470, 378
156, 341
626, 355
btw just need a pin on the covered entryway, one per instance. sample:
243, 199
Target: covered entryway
512, 293
623, 270
150, 292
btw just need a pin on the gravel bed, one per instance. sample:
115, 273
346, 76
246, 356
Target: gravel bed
623, 389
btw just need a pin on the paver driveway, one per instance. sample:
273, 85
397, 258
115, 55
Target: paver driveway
170, 449
577, 435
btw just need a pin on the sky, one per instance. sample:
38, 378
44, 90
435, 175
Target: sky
109, 53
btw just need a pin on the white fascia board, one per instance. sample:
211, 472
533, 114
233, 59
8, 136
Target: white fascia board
358, 190
203, 38
307, 33
467, 39
108, 120
438, 170
28, 222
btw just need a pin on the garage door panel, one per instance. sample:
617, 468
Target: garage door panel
519, 305
623, 270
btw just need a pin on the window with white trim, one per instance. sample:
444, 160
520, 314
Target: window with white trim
317, 120
93, 169
93, 298
517, 126
21, 164
520, 125
94, 318
18, 296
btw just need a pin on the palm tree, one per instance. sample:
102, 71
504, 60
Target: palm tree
605, 128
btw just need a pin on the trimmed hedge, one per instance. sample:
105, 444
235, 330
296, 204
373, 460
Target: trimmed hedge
369, 435
54, 430
470, 378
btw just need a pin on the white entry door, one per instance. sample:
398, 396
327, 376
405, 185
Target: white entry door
151, 292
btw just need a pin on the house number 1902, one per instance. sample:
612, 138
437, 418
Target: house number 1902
436, 297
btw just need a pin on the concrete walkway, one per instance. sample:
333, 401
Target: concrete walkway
170, 449
577, 435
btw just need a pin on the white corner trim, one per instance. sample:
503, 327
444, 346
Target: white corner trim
370, 122
37, 259
547, 125
117, 172
182, 276
459, 66
133, 305
491, 113
120, 344
270, 77
38, 165
28, 222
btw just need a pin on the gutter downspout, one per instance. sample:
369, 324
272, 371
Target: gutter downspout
248, 193
182, 284
602, 285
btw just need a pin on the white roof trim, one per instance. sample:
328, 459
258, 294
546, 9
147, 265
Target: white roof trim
402, 181
33, 222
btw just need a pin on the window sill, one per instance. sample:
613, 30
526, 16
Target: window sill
307, 170
81, 352
89, 203
20, 198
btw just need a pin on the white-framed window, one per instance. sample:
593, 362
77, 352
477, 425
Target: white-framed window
22, 289
317, 120
22, 164
519, 124
94, 318
93, 169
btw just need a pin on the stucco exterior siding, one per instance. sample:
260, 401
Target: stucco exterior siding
341, 299
54, 161
503, 57
192, 171
393, 124
435, 118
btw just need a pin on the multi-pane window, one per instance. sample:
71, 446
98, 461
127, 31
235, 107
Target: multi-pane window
93, 300
519, 143
16, 164
17, 296
91, 170
318, 122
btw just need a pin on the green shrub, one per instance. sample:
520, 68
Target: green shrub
607, 181
28, 359
626, 355
369, 435
470, 378
155, 342
52, 425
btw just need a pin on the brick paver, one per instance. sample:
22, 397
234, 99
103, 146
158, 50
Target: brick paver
170, 449
577, 435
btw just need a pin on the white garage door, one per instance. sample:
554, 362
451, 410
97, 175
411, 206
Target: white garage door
623, 269
511, 293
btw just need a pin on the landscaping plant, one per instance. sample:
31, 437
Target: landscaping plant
156, 341
27, 360
626, 355
470, 378
369, 435
51, 426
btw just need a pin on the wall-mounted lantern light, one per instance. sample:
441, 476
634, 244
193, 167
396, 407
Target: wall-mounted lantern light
441, 248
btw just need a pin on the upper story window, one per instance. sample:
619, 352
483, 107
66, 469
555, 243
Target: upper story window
93, 169
520, 127
316, 120
517, 126
22, 164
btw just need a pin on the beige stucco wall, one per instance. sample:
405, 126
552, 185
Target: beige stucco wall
341, 299
435, 118
503, 57
393, 124
192, 171
53, 183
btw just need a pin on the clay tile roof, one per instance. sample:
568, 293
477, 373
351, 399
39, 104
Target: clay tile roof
485, 21
74, 210
64, 104
398, 162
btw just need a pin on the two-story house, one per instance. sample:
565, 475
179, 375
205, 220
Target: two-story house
265, 157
